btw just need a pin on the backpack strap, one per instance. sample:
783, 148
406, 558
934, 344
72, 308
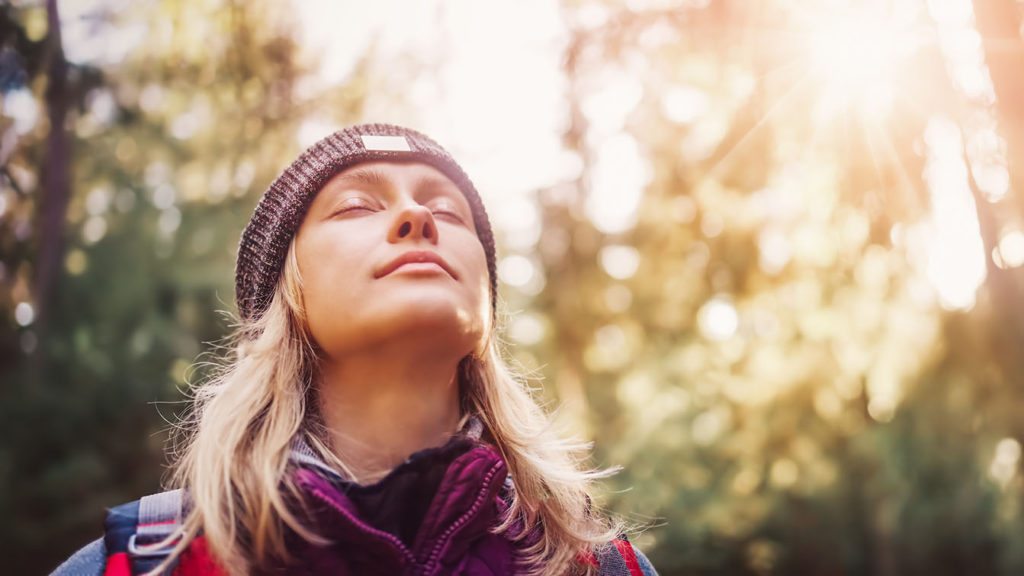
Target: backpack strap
159, 518
620, 558
135, 531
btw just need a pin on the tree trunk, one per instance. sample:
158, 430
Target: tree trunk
56, 177
998, 23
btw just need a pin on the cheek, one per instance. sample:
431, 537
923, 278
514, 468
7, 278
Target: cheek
327, 277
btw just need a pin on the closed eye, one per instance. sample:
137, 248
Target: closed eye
447, 210
450, 214
352, 206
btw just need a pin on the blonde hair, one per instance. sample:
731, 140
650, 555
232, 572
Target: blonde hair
234, 453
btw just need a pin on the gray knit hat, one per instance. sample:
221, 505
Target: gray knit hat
279, 214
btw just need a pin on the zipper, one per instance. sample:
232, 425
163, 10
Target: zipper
435, 554
366, 528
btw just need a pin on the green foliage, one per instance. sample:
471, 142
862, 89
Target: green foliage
172, 146
810, 415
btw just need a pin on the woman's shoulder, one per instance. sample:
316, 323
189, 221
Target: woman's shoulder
128, 529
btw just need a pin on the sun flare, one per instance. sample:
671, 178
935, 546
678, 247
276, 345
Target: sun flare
856, 56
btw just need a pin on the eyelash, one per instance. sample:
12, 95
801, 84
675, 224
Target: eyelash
354, 205
448, 212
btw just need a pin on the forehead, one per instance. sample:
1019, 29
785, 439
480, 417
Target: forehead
379, 174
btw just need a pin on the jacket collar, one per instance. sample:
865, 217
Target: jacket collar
304, 456
461, 511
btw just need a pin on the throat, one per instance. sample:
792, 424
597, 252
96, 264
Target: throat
374, 422
398, 502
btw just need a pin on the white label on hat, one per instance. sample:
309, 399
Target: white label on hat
397, 143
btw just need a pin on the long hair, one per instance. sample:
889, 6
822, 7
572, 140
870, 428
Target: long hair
234, 449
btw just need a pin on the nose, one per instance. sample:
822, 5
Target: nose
413, 222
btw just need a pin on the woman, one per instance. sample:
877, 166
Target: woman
367, 423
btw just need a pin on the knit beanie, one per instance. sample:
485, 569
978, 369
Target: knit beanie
265, 240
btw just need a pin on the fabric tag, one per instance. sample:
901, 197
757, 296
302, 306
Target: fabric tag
393, 143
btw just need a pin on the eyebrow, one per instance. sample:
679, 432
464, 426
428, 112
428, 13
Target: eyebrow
366, 176
375, 178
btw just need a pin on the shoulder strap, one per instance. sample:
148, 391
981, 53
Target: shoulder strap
159, 517
619, 558
135, 532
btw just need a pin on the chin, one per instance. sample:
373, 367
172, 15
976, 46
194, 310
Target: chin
438, 316
433, 321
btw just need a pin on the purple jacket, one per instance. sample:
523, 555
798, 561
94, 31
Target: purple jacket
431, 515
374, 529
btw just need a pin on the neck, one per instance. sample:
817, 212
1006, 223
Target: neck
379, 409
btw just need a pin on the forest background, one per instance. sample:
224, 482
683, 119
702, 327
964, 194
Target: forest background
766, 255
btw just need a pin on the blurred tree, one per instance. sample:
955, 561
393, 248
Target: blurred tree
738, 286
172, 140
999, 24
56, 173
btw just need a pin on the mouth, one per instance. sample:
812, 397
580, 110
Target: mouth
417, 261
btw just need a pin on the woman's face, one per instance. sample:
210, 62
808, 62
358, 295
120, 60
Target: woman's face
388, 254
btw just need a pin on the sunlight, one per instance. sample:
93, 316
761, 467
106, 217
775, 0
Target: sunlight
619, 176
718, 319
1004, 465
1010, 252
956, 259
852, 53
860, 60
856, 58
482, 80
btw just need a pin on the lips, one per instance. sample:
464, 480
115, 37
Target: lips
416, 257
